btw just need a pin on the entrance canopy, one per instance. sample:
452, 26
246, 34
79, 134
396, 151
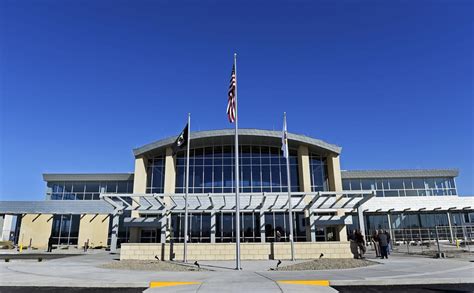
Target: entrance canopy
200, 202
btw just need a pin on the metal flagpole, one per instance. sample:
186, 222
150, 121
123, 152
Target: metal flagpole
290, 209
186, 192
237, 198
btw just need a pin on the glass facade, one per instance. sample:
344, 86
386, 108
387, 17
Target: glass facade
319, 173
156, 175
86, 190
249, 225
403, 186
279, 222
65, 229
199, 226
211, 169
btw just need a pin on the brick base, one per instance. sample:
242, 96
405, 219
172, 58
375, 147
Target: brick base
226, 251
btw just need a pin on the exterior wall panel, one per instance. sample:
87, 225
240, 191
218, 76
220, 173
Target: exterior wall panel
94, 228
37, 229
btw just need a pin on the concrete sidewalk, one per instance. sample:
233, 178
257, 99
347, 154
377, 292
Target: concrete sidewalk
83, 271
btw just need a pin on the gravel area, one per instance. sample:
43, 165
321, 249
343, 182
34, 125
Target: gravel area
148, 265
328, 264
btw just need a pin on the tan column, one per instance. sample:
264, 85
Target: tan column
334, 173
170, 184
139, 187
303, 169
305, 186
335, 184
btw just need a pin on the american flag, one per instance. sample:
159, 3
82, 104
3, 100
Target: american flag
284, 138
231, 100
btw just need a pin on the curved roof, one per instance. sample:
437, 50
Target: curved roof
269, 136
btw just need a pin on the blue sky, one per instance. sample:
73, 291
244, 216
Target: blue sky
84, 82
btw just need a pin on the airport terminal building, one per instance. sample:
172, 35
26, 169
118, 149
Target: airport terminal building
142, 212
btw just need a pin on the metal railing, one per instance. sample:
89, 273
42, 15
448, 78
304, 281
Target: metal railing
434, 241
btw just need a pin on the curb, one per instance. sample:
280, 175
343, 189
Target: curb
394, 282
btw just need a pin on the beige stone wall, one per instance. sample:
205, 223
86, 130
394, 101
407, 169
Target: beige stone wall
36, 227
95, 228
226, 251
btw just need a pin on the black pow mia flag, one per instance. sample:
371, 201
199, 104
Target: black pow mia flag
182, 139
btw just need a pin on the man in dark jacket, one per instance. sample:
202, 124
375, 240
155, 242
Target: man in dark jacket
50, 244
359, 239
384, 240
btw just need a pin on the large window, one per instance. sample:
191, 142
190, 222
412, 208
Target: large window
403, 186
156, 175
277, 227
249, 225
65, 229
319, 173
199, 226
211, 169
86, 190
150, 235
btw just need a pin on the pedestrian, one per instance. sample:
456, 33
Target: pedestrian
375, 242
86, 245
50, 244
384, 240
359, 238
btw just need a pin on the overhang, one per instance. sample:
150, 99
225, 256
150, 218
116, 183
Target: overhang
245, 136
74, 207
49, 177
419, 204
413, 173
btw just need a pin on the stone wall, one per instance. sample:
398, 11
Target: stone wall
226, 251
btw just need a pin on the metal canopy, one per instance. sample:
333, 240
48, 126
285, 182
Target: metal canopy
201, 202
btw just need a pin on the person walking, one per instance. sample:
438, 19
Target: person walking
384, 240
50, 244
278, 236
375, 242
360, 243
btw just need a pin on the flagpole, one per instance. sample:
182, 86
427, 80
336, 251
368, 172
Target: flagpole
290, 209
237, 198
185, 254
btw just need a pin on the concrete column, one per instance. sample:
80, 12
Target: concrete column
390, 227
450, 227
305, 186
165, 226
7, 227
169, 188
303, 169
115, 230
213, 227
311, 227
139, 187
342, 230
140, 179
360, 214
335, 184
334, 173
262, 226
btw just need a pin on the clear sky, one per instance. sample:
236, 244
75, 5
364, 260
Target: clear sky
84, 82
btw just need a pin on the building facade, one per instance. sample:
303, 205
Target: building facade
146, 207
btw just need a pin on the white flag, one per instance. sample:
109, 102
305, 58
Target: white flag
284, 138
